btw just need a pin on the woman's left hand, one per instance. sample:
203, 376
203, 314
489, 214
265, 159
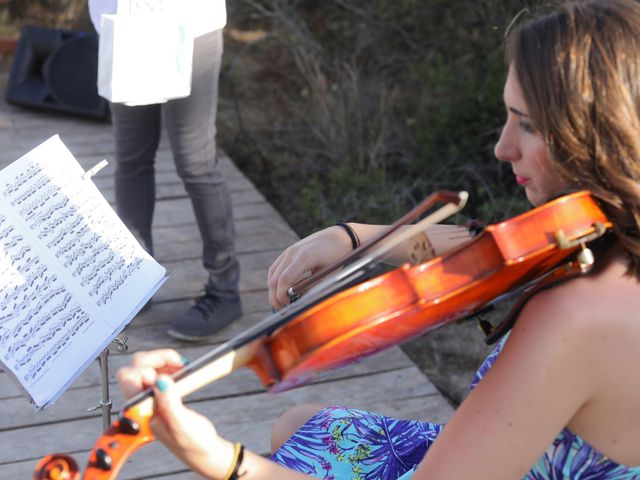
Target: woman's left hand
189, 435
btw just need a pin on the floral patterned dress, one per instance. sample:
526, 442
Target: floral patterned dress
349, 444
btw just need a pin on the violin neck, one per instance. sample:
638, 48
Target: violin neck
207, 369
192, 380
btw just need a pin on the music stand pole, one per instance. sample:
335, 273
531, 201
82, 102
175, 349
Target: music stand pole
105, 402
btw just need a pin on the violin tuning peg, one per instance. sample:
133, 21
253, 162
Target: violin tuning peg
128, 426
103, 460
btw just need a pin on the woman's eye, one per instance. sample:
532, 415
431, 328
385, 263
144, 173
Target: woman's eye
527, 127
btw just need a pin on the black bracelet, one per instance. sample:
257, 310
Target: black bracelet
234, 474
355, 241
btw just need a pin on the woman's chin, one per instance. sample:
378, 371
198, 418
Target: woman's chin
535, 198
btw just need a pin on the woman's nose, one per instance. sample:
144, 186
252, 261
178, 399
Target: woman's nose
506, 149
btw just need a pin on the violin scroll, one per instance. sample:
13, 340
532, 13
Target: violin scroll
56, 467
128, 433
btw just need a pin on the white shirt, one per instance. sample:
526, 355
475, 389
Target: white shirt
202, 16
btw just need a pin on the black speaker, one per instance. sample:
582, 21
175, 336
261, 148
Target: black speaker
56, 70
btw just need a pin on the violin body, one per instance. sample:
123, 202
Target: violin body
366, 318
412, 300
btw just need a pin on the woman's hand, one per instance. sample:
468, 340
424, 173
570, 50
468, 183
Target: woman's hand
145, 368
189, 435
309, 255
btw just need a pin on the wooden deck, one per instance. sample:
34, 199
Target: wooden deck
242, 410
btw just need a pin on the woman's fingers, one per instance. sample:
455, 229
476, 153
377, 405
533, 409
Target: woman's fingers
308, 255
168, 404
145, 368
157, 358
274, 279
189, 435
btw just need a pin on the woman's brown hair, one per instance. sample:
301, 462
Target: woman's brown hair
579, 69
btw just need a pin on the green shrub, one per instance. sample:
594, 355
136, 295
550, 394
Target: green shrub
372, 105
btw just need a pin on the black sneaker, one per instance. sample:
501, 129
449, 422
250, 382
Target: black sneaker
205, 319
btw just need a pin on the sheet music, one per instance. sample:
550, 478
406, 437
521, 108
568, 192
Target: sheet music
71, 274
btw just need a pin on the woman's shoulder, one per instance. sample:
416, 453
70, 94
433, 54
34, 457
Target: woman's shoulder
585, 308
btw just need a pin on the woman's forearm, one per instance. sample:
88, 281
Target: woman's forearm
434, 241
256, 467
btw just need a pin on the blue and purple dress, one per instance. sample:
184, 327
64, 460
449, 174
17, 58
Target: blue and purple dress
349, 444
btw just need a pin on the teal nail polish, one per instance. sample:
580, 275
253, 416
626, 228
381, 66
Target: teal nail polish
162, 384
184, 360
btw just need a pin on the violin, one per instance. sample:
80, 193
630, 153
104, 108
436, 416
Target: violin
331, 326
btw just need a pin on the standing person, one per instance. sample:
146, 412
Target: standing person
191, 126
558, 398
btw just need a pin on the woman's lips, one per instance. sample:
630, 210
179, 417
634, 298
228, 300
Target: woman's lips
521, 180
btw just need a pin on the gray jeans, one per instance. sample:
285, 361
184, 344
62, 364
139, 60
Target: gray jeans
190, 124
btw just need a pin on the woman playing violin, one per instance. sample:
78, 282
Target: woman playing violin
559, 396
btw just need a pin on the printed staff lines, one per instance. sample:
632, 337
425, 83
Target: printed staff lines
40, 333
37, 304
31, 172
38, 201
50, 221
86, 249
21, 337
30, 191
17, 257
131, 268
81, 319
30, 282
6, 232
12, 242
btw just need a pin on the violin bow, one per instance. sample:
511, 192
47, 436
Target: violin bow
389, 238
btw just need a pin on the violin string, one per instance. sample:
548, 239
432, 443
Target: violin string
321, 290
445, 196
265, 326
396, 238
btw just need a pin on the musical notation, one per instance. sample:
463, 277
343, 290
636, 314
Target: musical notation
57, 208
71, 274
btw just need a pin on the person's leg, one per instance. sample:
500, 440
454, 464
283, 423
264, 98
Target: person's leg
340, 442
291, 421
191, 126
137, 134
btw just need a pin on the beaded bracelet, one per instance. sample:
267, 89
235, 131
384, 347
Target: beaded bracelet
355, 241
238, 456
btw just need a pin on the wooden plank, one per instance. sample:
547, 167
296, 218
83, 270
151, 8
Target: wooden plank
154, 461
74, 404
187, 276
387, 382
248, 417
